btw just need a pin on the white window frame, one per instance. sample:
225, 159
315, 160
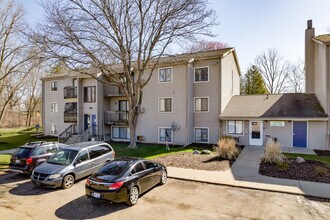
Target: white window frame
55, 109
208, 104
172, 104
158, 137
208, 74
52, 129
51, 87
234, 134
208, 134
115, 138
159, 74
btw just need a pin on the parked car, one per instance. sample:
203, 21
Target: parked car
124, 179
31, 154
72, 162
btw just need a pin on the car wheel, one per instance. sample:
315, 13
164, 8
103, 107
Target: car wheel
133, 196
164, 177
68, 181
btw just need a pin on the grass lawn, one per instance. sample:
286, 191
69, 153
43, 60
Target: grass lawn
15, 137
323, 159
149, 151
4, 161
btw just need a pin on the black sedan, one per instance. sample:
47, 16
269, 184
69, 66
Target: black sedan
124, 179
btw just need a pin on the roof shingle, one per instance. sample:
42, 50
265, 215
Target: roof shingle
289, 105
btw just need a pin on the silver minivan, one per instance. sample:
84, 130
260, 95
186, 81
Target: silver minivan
72, 162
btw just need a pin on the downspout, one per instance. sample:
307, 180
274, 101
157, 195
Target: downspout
327, 57
43, 107
189, 89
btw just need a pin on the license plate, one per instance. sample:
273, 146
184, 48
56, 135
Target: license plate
96, 195
17, 161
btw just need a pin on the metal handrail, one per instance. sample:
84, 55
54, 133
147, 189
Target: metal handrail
65, 135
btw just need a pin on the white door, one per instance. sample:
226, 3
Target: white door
256, 133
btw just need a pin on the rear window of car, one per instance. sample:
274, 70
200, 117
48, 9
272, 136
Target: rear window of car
113, 169
37, 151
23, 152
97, 151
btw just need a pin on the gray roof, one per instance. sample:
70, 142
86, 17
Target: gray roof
81, 145
325, 38
289, 105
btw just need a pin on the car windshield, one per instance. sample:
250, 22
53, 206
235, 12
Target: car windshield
112, 170
63, 157
23, 152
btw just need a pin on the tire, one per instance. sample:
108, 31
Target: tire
68, 181
133, 196
163, 178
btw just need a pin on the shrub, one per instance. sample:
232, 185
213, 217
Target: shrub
273, 153
227, 148
321, 171
282, 166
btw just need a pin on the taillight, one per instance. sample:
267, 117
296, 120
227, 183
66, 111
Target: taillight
116, 185
28, 161
88, 182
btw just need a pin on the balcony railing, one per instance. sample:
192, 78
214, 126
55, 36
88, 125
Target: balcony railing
70, 117
118, 118
111, 91
70, 92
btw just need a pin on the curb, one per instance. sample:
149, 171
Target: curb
247, 187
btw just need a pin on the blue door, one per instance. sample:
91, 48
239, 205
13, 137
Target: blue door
93, 124
86, 121
299, 134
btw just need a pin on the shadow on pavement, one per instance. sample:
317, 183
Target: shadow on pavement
83, 207
9, 177
28, 189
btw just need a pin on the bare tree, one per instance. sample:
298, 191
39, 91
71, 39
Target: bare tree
14, 53
204, 45
131, 33
296, 79
33, 91
274, 69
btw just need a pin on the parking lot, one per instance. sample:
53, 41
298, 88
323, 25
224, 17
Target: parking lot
175, 200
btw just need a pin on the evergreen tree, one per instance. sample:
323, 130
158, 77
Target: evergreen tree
253, 82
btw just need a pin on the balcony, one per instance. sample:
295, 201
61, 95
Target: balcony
70, 117
112, 91
70, 92
115, 118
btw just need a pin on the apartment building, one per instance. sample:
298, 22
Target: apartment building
181, 103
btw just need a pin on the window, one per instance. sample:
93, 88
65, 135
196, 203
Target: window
120, 133
53, 107
201, 104
138, 168
165, 104
82, 156
149, 164
95, 152
90, 94
53, 86
165, 75
70, 107
165, 135
202, 135
54, 129
51, 149
235, 127
201, 74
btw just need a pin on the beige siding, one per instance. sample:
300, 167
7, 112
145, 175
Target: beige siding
150, 121
57, 97
283, 134
317, 135
320, 75
230, 81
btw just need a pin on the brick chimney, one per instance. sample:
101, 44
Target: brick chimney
309, 58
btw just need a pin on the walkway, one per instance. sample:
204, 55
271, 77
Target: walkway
245, 173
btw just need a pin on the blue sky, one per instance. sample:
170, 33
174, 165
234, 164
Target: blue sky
253, 26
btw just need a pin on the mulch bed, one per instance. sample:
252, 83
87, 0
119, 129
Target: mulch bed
322, 152
195, 161
307, 171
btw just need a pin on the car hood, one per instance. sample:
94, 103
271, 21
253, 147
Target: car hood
49, 168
